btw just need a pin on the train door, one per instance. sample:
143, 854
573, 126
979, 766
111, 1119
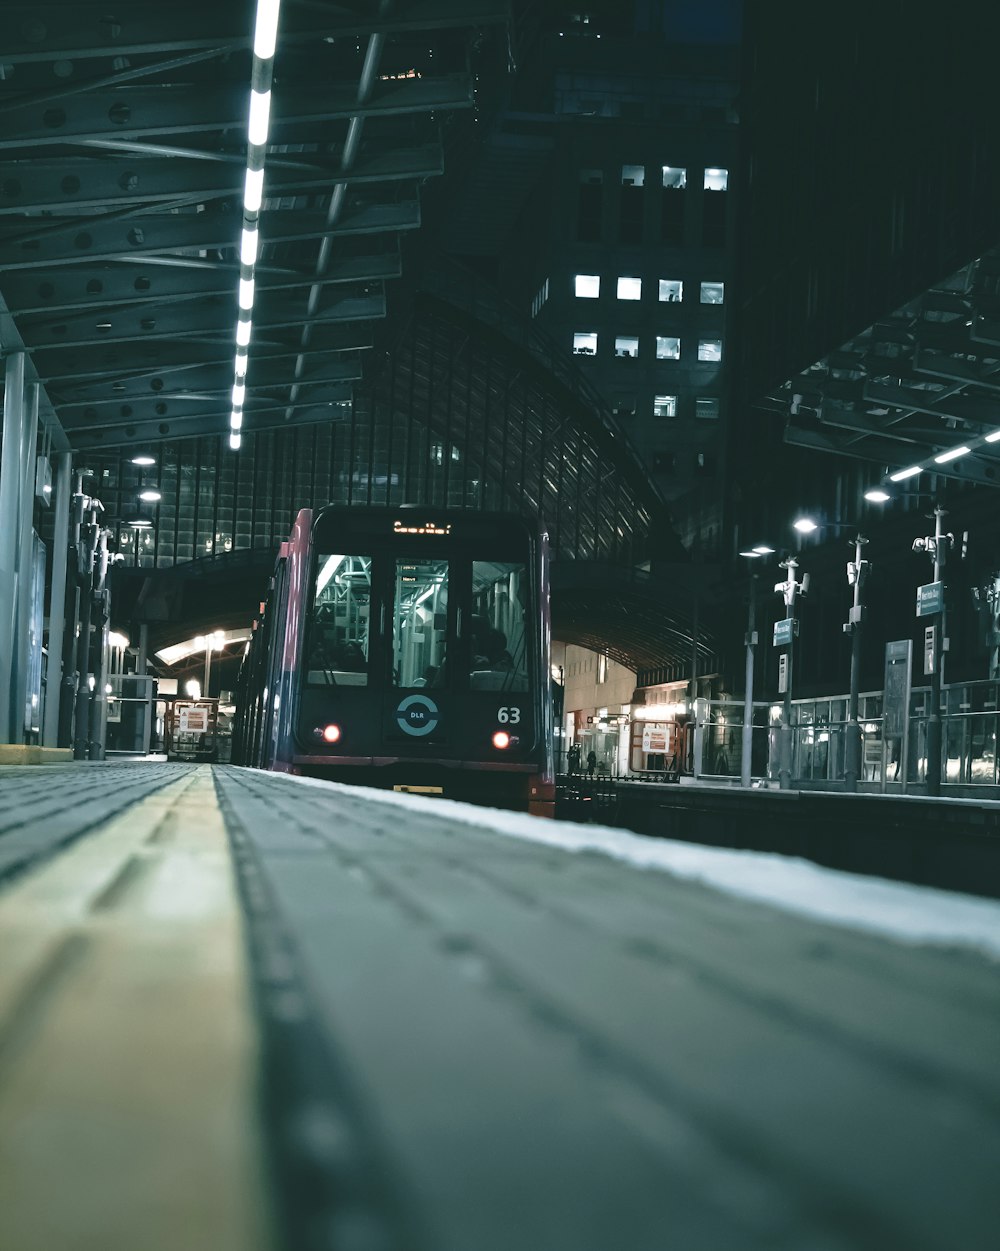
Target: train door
421, 616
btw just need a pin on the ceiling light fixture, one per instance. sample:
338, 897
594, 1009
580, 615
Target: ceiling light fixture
258, 124
952, 454
902, 474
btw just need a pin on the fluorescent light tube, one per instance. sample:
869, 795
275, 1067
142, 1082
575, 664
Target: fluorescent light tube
265, 33
260, 111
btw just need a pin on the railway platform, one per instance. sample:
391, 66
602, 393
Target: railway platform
240, 1010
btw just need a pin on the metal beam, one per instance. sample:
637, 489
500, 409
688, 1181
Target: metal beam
57, 186
46, 32
88, 240
177, 110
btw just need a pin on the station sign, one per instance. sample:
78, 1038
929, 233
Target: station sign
930, 599
929, 649
783, 632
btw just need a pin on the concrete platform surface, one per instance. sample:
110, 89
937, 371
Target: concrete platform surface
237, 1010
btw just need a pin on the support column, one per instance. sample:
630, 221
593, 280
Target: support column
25, 563
57, 600
10, 535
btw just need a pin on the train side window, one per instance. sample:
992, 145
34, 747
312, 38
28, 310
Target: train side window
419, 622
337, 638
499, 660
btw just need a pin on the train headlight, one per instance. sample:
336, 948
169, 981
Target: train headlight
331, 733
501, 740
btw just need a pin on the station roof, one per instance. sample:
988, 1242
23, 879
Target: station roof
915, 392
124, 149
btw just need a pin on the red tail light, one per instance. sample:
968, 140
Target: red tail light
501, 740
331, 733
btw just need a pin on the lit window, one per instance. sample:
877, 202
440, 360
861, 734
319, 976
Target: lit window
585, 343
667, 348
587, 286
673, 178
710, 349
633, 175
712, 292
626, 345
629, 288
716, 179
706, 406
664, 405
671, 290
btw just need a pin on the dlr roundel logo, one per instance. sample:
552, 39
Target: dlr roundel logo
417, 715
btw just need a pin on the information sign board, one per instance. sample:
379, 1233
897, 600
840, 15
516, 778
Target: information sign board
930, 599
782, 632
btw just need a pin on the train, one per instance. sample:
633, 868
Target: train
405, 648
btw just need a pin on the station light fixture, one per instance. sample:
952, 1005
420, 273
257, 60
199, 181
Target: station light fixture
140, 523
143, 459
952, 454
804, 525
149, 495
265, 40
902, 474
877, 496
992, 437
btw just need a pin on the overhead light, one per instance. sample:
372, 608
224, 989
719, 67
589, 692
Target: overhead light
902, 474
805, 525
243, 332
150, 496
248, 246
953, 454
235, 439
239, 393
992, 438
246, 293
762, 549
241, 363
253, 190
235, 420
266, 30
143, 459
754, 554
260, 110
878, 496
140, 523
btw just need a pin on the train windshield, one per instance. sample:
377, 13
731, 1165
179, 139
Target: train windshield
420, 622
337, 641
499, 642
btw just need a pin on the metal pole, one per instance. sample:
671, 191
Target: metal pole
83, 694
10, 534
746, 757
208, 665
852, 757
57, 600
934, 719
785, 768
25, 564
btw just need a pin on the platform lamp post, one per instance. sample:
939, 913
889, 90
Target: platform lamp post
784, 634
750, 640
930, 602
857, 571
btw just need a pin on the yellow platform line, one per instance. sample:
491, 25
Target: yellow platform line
128, 1049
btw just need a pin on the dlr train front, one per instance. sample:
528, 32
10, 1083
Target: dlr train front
421, 654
